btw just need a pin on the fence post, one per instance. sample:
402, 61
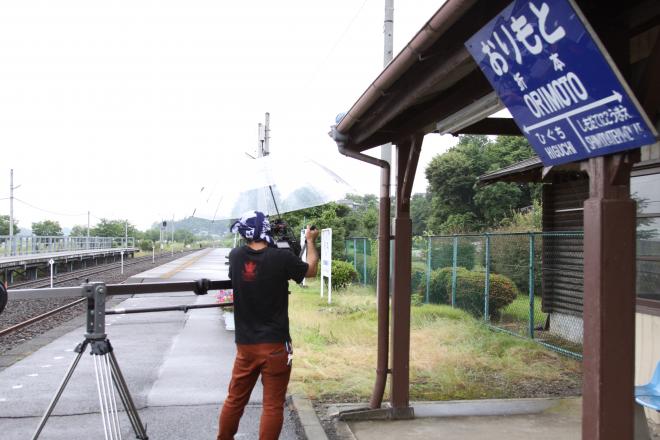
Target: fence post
364, 268
531, 285
453, 272
487, 281
428, 269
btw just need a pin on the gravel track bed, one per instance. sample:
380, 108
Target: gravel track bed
20, 310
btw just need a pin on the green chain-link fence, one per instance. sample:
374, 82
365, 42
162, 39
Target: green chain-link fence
526, 284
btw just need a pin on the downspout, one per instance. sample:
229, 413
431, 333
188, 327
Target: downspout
383, 293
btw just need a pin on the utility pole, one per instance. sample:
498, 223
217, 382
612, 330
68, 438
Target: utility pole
11, 210
126, 233
87, 230
388, 53
263, 140
266, 150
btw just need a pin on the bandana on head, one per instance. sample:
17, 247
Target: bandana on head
253, 225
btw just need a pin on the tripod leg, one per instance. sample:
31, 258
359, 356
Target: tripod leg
113, 398
127, 400
100, 387
80, 349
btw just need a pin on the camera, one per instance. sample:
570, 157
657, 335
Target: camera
284, 237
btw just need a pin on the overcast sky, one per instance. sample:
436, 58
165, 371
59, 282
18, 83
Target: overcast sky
127, 108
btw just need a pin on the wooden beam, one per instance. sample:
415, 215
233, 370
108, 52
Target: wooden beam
492, 126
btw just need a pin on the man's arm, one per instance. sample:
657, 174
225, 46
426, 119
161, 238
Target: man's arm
312, 254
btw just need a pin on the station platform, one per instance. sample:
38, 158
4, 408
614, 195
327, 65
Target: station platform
177, 366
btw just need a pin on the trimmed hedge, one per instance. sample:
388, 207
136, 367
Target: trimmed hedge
470, 290
343, 274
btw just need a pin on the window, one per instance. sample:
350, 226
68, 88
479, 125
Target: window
645, 189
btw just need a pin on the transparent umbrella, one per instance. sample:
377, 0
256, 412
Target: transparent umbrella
270, 184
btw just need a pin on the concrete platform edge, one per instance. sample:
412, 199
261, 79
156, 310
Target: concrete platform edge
309, 421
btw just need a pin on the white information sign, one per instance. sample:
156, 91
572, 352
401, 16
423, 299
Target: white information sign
303, 256
326, 261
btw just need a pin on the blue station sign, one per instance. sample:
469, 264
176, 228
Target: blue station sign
554, 76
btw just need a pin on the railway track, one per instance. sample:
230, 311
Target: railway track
79, 274
24, 319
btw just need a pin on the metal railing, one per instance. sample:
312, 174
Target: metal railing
526, 284
32, 244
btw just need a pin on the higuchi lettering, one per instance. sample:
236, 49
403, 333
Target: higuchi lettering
560, 150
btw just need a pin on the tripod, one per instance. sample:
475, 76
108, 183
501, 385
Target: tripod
106, 370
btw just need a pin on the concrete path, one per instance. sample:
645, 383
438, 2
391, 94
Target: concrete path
177, 367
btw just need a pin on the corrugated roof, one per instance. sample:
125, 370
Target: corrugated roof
527, 166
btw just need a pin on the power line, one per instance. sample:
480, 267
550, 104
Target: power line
336, 43
48, 211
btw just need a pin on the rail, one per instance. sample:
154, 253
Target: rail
34, 245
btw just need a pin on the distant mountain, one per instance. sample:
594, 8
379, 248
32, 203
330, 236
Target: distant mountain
199, 226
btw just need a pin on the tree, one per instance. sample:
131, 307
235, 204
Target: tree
113, 228
47, 228
4, 225
420, 211
78, 231
458, 204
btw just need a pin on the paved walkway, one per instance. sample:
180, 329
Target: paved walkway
177, 367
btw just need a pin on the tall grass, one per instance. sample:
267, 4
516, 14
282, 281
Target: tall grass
453, 356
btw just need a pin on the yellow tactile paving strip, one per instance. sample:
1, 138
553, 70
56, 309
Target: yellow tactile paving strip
186, 264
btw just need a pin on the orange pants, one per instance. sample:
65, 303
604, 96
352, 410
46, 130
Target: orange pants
269, 360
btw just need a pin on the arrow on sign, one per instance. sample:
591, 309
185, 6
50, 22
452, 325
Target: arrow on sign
615, 96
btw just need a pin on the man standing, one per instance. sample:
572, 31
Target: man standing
260, 273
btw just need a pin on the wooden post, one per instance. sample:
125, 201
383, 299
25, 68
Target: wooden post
609, 300
407, 158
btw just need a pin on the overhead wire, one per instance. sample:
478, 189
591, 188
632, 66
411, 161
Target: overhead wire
343, 34
48, 211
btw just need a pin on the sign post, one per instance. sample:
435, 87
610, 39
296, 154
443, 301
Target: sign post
303, 256
122, 261
51, 262
569, 99
326, 261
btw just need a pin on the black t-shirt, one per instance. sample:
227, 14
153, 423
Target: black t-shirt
260, 279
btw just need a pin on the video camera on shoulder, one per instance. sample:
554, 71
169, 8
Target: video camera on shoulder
284, 237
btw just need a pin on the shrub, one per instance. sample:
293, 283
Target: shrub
343, 274
417, 278
442, 255
440, 286
145, 245
510, 257
470, 290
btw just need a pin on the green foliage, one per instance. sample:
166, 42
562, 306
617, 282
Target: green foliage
440, 285
510, 257
457, 204
343, 274
420, 212
113, 228
78, 231
358, 220
145, 245
4, 225
470, 290
47, 228
442, 255
417, 278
